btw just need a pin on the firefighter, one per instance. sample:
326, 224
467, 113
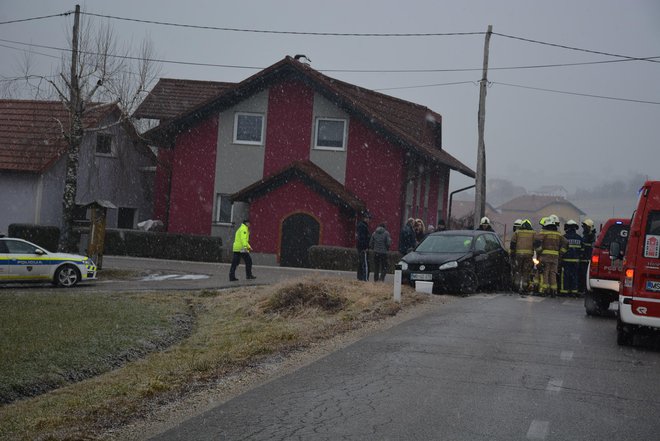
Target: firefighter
570, 262
549, 245
484, 224
522, 250
588, 239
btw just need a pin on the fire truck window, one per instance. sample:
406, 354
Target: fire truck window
653, 225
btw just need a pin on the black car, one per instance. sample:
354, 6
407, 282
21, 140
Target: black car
459, 260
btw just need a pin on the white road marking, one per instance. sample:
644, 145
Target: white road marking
538, 430
161, 277
554, 385
531, 299
566, 355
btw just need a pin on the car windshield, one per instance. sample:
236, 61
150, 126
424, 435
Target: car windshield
445, 244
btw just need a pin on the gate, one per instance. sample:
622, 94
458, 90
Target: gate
299, 232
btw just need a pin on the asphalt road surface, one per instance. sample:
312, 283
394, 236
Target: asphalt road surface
485, 367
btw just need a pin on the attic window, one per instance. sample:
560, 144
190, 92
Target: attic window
330, 134
248, 128
104, 144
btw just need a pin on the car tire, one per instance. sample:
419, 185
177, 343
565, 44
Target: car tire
624, 335
66, 276
469, 282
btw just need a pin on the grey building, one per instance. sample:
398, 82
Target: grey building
114, 165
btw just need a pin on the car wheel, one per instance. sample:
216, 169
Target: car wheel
624, 336
469, 282
66, 276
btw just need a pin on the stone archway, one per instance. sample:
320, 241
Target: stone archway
299, 232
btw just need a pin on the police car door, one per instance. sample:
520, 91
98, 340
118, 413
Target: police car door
24, 262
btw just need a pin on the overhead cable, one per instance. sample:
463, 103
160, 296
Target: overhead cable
576, 93
36, 18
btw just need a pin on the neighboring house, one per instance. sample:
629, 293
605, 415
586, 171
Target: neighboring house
114, 165
462, 212
302, 155
535, 207
551, 190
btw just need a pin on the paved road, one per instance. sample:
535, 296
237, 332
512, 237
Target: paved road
486, 367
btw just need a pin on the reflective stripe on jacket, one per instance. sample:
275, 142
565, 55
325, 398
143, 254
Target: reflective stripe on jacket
522, 242
551, 243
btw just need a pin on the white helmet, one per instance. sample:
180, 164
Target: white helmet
571, 222
517, 222
485, 220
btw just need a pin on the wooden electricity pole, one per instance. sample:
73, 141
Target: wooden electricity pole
480, 180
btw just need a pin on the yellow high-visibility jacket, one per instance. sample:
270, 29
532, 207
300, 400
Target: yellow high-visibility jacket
242, 240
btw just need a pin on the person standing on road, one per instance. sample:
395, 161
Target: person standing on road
549, 245
407, 237
588, 239
242, 250
380, 242
570, 262
362, 245
522, 252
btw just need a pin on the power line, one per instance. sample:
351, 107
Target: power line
576, 93
576, 48
427, 85
231, 66
270, 31
36, 18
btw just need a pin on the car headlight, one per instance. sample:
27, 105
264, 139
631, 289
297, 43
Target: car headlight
449, 265
404, 265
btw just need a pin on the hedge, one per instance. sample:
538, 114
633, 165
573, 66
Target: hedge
345, 259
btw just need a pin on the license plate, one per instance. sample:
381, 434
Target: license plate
421, 276
653, 285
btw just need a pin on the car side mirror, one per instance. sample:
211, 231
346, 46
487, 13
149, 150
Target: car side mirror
39, 252
615, 250
479, 252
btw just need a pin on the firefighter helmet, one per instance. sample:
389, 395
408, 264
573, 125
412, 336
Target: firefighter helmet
485, 221
588, 222
517, 222
526, 224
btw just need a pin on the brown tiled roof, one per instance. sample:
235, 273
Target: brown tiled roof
407, 124
31, 137
313, 176
533, 203
171, 97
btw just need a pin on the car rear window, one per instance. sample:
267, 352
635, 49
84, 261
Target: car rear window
616, 233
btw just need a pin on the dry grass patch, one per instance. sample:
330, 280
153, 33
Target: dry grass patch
232, 330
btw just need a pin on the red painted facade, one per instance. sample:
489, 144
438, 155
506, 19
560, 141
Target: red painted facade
269, 212
193, 179
289, 125
375, 173
162, 184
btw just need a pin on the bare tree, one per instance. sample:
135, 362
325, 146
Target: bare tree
96, 72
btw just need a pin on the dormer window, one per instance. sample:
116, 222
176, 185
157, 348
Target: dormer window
330, 134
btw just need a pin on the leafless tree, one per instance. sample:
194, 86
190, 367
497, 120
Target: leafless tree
96, 71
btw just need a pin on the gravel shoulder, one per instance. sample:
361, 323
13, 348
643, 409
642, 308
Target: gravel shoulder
168, 415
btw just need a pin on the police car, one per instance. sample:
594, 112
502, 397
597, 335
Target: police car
23, 261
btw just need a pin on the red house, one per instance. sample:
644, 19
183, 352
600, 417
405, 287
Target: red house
300, 153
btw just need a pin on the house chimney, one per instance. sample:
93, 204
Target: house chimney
303, 59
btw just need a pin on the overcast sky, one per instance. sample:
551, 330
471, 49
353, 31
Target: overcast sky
533, 137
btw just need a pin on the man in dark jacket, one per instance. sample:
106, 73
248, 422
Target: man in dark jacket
407, 238
380, 242
362, 245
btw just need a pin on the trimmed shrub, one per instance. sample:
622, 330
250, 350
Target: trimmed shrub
45, 236
344, 259
163, 245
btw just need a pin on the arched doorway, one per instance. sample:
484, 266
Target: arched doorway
299, 232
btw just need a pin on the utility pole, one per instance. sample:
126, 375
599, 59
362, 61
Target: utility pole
480, 180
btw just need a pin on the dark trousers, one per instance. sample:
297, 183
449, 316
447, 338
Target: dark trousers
236, 260
570, 276
582, 275
363, 265
380, 266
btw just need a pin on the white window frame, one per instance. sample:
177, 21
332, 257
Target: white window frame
316, 134
247, 142
218, 205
